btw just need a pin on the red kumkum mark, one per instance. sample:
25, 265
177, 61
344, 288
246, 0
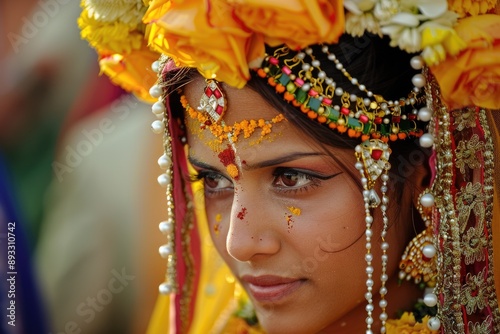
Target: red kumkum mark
227, 158
241, 215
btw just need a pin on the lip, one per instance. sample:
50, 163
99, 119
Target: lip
269, 288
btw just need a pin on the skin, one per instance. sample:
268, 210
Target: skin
323, 249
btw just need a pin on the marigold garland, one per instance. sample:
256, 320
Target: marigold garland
222, 131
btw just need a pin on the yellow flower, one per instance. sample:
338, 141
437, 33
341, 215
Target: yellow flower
473, 76
131, 71
438, 42
110, 37
471, 7
233, 171
205, 35
297, 23
408, 325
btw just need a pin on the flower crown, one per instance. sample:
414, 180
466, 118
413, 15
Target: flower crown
224, 39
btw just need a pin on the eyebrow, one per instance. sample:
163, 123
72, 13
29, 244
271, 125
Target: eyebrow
261, 164
281, 160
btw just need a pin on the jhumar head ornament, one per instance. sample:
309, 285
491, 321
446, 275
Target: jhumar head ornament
229, 42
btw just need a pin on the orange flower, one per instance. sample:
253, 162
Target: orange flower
473, 76
297, 23
131, 71
471, 7
205, 35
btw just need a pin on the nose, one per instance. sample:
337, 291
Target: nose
252, 232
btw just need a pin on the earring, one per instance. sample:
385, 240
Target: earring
373, 162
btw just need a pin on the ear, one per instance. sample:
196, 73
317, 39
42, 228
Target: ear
419, 182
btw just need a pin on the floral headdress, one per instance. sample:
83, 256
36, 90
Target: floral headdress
459, 46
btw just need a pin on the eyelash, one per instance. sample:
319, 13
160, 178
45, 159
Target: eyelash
281, 171
315, 180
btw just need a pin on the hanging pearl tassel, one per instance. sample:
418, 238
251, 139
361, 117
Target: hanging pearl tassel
372, 163
167, 227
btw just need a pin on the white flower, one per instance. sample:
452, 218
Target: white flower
356, 25
129, 12
359, 6
385, 9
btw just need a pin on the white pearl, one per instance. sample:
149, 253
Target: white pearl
155, 91
382, 303
165, 289
401, 275
164, 162
164, 180
430, 300
339, 66
155, 66
429, 251
358, 165
383, 290
385, 245
369, 320
368, 257
331, 57
427, 200
418, 80
166, 227
315, 63
306, 67
301, 55
158, 108
369, 233
165, 251
369, 282
427, 140
306, 87
368, 296
424, 114
383, 316
434, 324
385, 258
354, 81
321, 74
363, 87
353, 97
384, 277
324, 49
369, 307
369, 270
309, 51
339, 91
417, 63
157, 126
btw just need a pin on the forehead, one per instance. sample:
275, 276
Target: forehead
242, 103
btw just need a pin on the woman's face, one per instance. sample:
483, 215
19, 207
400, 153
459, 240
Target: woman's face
291, 227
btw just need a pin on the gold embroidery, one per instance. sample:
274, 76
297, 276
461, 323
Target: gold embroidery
470, 199
464, 118
473, 245
480, 327
473, 292
466, 153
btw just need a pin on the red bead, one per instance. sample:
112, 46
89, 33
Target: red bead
412, 117
286, 70
363, 118
378, 120
208, 92
345, 111
312, 92
217, 93
327, 102
396, 119
219, 109
273, 61
376, 154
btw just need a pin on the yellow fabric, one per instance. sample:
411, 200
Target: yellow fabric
216, 288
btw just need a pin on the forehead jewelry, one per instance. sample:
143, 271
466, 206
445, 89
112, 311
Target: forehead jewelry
373, 162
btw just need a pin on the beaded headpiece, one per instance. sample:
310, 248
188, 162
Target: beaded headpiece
226, 40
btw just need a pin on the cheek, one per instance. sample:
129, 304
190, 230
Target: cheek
333, 218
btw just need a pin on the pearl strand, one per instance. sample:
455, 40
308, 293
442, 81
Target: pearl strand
167, 227
384, 246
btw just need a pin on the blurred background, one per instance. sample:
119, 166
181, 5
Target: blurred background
80, 204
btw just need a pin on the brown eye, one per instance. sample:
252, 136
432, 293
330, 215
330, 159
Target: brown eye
289, 179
